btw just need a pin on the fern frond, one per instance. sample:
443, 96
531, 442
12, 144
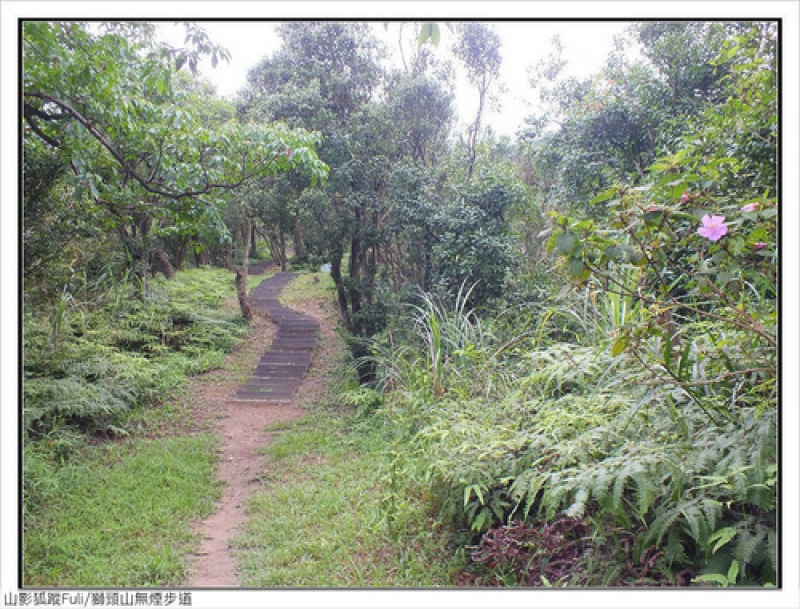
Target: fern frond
662, 523
747, 544
712, 511
646, 491
578, 507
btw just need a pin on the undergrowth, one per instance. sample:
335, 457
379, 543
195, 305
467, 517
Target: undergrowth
119, 515
103, 504
107, 356
507, 434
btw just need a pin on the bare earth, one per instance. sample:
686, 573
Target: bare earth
241, 427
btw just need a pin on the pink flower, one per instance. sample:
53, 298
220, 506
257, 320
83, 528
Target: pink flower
759, 245
750, 207
686, 198
713, 228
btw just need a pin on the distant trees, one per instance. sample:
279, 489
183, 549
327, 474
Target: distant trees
390, 214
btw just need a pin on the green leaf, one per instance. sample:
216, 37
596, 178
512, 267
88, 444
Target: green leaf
429, 31
722, 537
481, 521
620, 345
576, 265
716, 578
468, 493
93, 189
651, 217
604, 196
565, 242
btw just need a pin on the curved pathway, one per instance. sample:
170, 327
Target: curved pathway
282, 368
265, 399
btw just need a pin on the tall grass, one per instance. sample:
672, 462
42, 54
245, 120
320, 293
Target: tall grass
675, 470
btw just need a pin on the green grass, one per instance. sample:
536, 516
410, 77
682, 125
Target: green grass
122, 515
318, 522
307, 286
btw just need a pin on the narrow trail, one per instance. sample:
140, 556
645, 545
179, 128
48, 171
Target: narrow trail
266, 398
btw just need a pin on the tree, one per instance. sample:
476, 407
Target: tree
103, 100
478, 47
325, 76
700, 235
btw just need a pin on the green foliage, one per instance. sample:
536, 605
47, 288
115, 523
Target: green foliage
472, 244
105, 354
135, 155
618, 431
578, 431
642, 406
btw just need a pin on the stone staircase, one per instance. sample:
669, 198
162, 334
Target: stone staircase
282, 368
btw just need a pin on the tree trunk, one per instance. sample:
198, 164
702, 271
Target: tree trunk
341, 295
228, 257
241, 292
163, 260
299, 245
241, 278
253, 240
283, 251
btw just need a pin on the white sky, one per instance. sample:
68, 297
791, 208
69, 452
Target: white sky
523, 45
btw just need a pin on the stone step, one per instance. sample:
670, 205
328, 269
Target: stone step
283, 366
303, 360
277, 377
294, 345
287, 355
285, 372
280, 366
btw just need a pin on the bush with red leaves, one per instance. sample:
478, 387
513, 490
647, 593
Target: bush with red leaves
557, 553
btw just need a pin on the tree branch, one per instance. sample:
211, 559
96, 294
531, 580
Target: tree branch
50, 140
125, 165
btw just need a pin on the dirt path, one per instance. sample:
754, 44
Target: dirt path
241, 412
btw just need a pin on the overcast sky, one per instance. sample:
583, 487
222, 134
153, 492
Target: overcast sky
523, 45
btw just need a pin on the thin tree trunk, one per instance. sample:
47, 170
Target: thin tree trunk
241, 292
299, 245
241, 278
341, 295
253, 240
228, 257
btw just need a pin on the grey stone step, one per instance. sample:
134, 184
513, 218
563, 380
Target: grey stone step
283, 366
269, 389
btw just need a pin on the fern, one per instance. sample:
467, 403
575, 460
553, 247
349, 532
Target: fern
748, 543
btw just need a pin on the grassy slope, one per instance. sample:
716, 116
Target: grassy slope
318, 521
123, 512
